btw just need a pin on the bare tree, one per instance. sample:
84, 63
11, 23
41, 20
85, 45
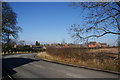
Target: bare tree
9, 21
9, 25
102, 18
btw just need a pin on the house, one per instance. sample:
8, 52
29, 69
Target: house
92, 44
104, 45
96, 45
65, 45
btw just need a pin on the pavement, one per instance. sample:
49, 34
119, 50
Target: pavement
27, 66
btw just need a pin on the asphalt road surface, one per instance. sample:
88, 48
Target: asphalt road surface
26, 66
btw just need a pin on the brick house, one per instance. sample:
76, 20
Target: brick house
96, 45
65, 45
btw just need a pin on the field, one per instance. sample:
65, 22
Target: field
102, 58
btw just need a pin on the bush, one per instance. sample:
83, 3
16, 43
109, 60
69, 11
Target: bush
78, 53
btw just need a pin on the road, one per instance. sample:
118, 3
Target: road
26, 66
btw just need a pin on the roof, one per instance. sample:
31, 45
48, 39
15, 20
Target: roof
92, 43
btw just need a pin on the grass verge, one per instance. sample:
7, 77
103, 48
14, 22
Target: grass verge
93, 63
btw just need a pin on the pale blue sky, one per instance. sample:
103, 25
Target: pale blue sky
49, 21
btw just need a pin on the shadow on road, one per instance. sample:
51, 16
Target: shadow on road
9, 63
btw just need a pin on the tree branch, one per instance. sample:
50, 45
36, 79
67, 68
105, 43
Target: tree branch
97, 35
118, 3
107, 18
96, 29
116, 9
97, 4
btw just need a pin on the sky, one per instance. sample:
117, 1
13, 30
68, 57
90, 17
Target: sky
48, 22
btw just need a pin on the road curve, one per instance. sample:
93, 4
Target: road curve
26, 66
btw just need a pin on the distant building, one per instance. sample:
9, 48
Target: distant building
91, 44
31, 46
14, 46
65, 45
96, 45
104, 45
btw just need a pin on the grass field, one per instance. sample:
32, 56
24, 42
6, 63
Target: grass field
103, 58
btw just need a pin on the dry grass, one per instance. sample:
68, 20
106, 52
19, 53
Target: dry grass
95, 58
105, 50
